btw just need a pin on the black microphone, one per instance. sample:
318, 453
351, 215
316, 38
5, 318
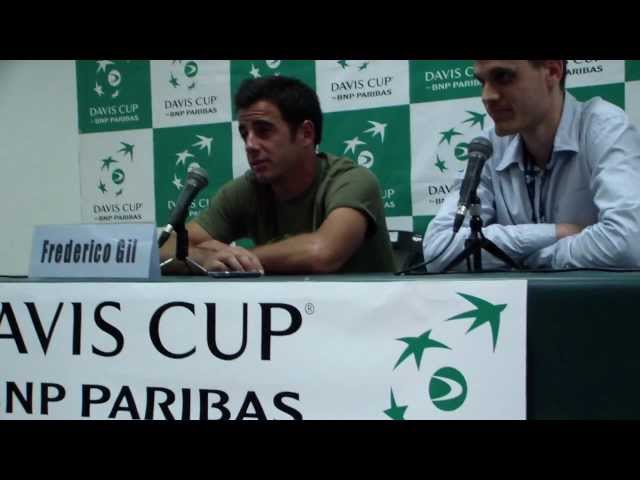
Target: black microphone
480, 149
197, 179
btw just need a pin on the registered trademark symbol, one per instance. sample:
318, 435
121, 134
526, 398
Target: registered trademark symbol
309, 308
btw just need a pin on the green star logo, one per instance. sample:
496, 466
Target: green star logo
416, 347
448, 152
108, 78
476, 118
354, 63
270, 64
202, 143
352, 144
447, 135
448, 389
395, 412
485, 312
127, 149
106, 163
187, 71
366, 157
255, 71
112, 179
377, 129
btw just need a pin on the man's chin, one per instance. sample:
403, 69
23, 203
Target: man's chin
504, 130
262, 178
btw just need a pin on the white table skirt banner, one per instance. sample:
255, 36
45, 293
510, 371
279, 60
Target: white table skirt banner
264, 349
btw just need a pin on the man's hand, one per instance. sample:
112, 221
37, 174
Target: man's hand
217, 256
567, 229
211, 254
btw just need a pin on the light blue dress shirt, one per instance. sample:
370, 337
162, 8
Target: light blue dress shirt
593, 179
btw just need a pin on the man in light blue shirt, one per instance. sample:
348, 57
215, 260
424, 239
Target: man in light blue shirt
562, 188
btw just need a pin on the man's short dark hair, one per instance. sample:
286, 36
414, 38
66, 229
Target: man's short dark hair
539, 63
296, 101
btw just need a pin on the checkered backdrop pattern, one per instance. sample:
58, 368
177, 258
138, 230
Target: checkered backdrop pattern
143, 124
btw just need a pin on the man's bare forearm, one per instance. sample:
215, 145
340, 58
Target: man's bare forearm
299, 254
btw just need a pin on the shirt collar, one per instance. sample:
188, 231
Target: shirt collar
566, 138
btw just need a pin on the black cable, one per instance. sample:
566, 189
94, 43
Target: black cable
424, 264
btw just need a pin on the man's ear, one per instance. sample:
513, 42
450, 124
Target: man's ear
307, 132
555, 70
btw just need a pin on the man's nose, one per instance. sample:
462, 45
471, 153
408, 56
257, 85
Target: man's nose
489, 94
250, 142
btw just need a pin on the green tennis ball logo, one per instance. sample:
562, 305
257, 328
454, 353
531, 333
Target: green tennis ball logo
461, 151
117, 176
448, 389
191, 69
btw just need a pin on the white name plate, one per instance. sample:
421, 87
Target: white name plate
122, 250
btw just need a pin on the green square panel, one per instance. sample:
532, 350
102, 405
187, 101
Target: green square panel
178, 149
377, 139
113, 95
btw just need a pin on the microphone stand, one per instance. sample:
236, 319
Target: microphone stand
476, 242
182, 251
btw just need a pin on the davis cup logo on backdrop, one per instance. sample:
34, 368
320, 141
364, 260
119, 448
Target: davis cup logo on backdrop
183, 74
447, 388
365, 156
365, 147
186, 161
353, 64
111, 185
190, 92
110, 82
433, 80
113, 95
111, 181
356, 88
183, 77
452, 153
108, 79
270, 67
358, 84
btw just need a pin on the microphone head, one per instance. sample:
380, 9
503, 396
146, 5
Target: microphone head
198, 177
481, 146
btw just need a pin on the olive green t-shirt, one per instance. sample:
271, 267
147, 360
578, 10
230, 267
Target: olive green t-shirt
244, 208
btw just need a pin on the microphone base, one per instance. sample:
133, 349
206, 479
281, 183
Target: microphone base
192, 266
474, 246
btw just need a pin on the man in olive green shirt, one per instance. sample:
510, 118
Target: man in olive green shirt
306, 212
